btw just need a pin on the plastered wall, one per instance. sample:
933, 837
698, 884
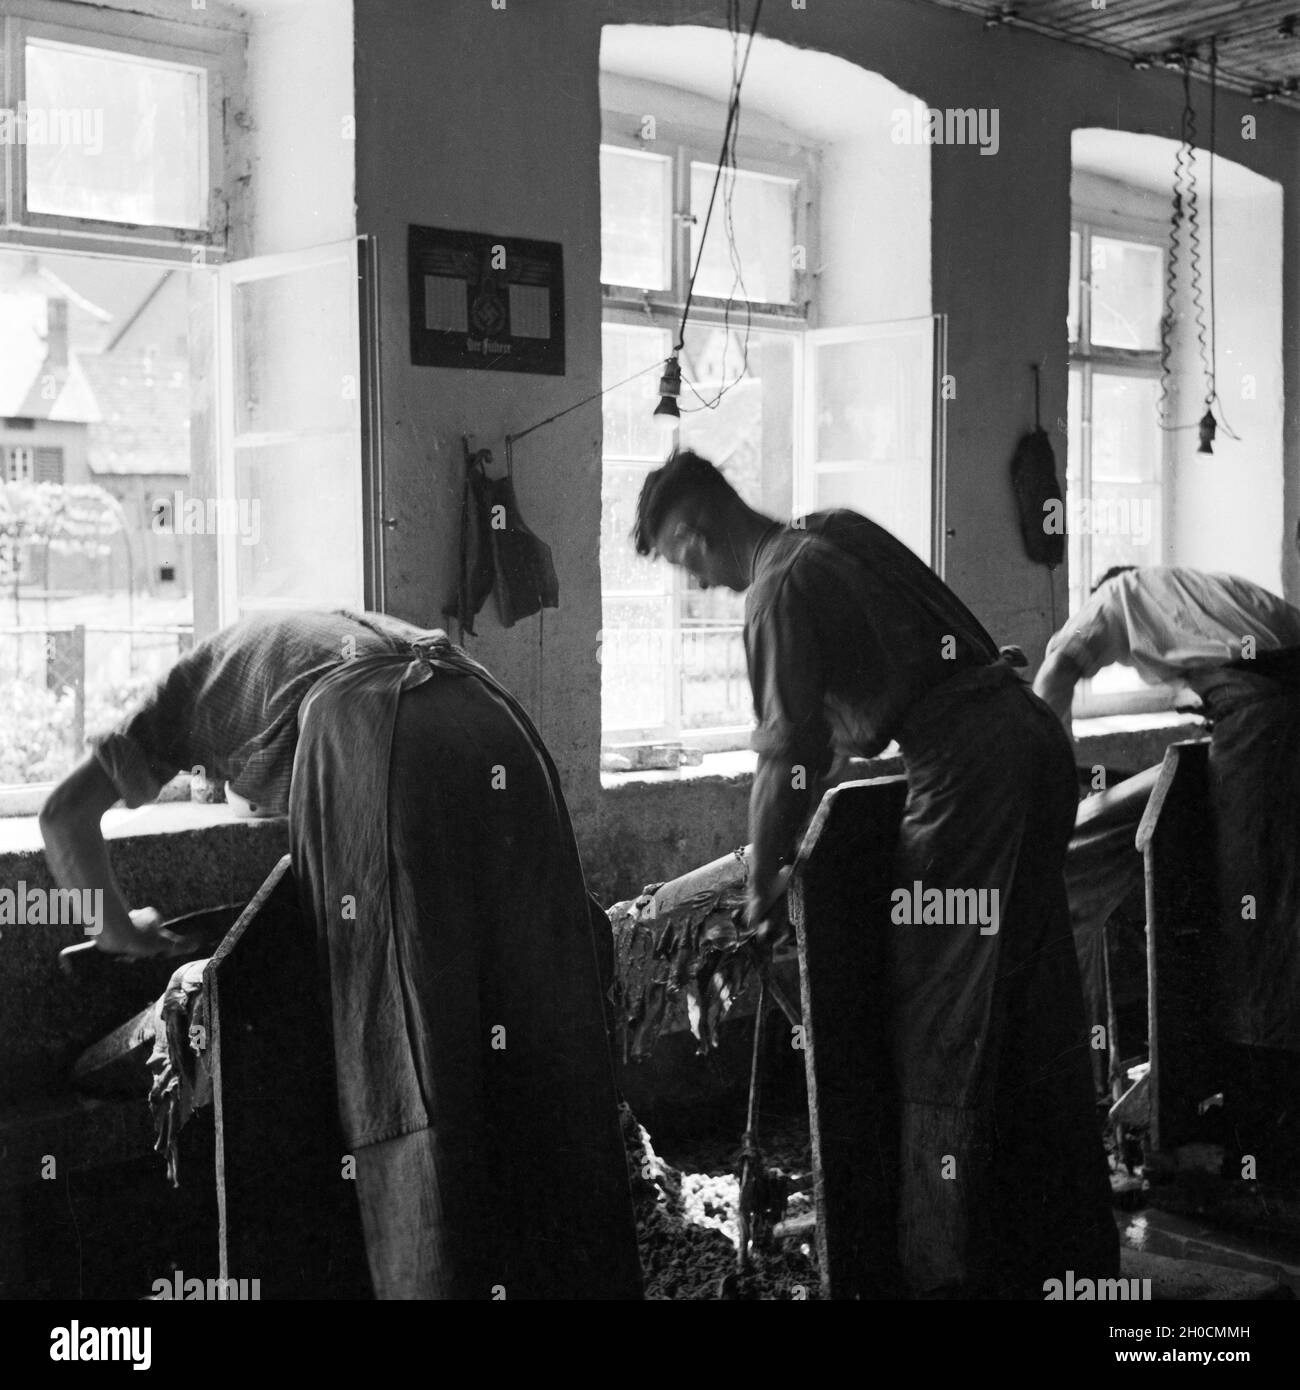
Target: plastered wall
489, 119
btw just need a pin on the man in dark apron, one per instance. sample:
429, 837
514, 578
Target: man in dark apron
1236, 647
432, 847
852, 641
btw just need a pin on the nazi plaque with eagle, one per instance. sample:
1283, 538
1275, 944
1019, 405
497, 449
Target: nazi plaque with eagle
491, 302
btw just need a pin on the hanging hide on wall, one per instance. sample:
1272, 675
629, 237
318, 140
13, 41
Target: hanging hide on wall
1033, 477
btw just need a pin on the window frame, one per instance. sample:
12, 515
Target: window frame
12, 472
684, 144
217, 52
1144, 363
229, 438
638, 307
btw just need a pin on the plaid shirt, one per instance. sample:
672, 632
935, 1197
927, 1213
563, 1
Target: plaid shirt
229, 707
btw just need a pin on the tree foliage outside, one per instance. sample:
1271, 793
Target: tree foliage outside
68, 518
37, 733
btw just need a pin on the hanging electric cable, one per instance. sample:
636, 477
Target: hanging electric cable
1212, 390
726, 160
1185, 212
729, 225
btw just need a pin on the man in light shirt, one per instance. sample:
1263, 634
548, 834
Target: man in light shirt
1172, 625
1236, 647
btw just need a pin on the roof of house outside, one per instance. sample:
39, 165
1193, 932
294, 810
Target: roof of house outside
122, 374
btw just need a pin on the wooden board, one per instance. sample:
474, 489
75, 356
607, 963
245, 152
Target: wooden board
839, 898
118, 1064
1177, 844
288, 1215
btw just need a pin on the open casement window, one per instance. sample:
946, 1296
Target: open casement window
808, 420
116, 131
1116, 494
672, 654
294, 463
873, 434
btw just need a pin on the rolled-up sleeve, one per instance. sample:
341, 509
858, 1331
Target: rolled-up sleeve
1097, 635
148, 748
786, 673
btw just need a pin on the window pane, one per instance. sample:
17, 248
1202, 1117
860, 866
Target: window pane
1126, 293
749, 434
97, 599
115, 137
297, 522
298, 482
1116, 519
1072, 313
635, 198
1126, 439
632, 430
748, 431
295, 358
672, 657
1124, 523
635, 641
714, 677
873, 429
622, 570
636, 592
757, 211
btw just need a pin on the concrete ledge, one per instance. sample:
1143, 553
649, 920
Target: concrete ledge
654, 826
1130, 742
22, 834
177, 858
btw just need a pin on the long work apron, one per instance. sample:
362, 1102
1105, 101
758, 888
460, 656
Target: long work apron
1255, 798
1002, 1174
434, 851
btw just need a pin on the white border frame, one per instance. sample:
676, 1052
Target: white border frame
217, 53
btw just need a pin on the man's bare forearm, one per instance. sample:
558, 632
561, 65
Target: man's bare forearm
1054, 685
75, 848
778, 806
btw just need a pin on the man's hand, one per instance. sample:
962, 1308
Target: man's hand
766, 914
148, 938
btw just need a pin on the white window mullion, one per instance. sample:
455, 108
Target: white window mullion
224, 439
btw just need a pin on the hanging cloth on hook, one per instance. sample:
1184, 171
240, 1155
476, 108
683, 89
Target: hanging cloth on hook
525, 573
1038, 493
499, 551
477, 568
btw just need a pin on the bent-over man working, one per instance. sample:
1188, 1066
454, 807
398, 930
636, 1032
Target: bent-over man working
853, 642
1236, 647
433, 849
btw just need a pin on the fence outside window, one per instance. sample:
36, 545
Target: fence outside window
63, 684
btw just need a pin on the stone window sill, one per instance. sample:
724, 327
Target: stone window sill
22, 834
1094, 737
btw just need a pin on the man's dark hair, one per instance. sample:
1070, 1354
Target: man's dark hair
1109, 575
686, 477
